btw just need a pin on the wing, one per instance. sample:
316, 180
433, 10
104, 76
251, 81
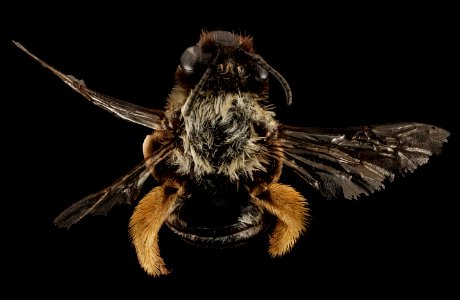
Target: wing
350, 162
124, 190
150, 118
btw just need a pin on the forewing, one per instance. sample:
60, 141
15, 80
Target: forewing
124, 190
353, 161
150, 118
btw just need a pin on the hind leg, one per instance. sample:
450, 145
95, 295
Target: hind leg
145, 223
292, 213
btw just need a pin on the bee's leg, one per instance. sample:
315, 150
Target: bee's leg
292, 213
172, 121
152, 143
145, 223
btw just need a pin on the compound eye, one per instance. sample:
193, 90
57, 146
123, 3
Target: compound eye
191, 58
262, 74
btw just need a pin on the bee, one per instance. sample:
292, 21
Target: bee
217, 152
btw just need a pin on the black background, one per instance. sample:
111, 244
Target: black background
346, 66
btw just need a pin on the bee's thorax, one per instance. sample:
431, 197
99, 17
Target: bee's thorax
220, 137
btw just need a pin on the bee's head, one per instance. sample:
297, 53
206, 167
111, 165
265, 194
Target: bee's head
227, 62
226, 56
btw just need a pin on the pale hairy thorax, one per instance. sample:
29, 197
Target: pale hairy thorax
219, 136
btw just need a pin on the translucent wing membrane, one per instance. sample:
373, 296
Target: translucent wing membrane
345, 162
353, 161
150, 118
124, 190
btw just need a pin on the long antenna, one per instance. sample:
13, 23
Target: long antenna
261, 62
187, 107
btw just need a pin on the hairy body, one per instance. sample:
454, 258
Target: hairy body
217, 153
